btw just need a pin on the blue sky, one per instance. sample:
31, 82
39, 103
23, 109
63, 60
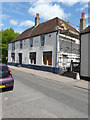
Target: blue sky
21, 15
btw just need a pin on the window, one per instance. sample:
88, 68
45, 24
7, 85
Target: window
13, 46
13, 57
4, 72
47, 58
31, 42
20, 44
32, 57
42, 38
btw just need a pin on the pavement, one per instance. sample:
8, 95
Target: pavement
66, 80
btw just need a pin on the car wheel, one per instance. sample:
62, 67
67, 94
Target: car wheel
11, 88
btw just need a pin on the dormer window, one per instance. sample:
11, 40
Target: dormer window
42, 39
31, 42
20, 44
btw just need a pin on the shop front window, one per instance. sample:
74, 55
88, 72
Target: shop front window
47, 58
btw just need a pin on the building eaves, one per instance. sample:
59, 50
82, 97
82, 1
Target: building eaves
86, 30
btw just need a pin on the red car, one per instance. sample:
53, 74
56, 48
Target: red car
6, 79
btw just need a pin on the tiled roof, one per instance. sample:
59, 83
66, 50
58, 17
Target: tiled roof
43, 28
86, 30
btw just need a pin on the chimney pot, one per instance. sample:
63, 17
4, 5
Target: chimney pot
37, 14
83, 15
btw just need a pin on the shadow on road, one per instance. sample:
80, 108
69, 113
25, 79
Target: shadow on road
69, 74
6, 89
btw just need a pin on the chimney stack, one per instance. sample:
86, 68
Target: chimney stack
82, 22
37, 19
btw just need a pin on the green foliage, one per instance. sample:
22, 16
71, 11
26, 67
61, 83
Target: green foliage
5, 37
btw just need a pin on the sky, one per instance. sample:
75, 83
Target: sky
21, 15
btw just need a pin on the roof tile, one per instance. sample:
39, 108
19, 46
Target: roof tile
43, 28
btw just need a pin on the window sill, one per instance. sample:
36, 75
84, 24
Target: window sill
47, 65
32, 64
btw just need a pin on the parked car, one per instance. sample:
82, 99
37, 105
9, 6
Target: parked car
6, 79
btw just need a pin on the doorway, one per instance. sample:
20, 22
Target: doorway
20, 58
32, 57
65, 60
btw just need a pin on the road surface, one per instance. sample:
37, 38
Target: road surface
36, 97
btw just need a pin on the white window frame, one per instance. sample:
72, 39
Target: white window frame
31, 42
21, 44
13, 60
13, 46
42, 40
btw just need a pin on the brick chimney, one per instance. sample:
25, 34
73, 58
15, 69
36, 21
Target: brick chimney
37, 19
82, 22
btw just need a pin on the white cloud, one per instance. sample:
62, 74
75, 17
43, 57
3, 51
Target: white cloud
87, 16
15, 0
27, 23
4, 16
18, 30
72, 2
1, 24
47, 10
14, 22
82, 8
69, 2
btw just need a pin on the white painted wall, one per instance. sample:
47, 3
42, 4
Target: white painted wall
9, 52
84, 55
50, 45
89, 54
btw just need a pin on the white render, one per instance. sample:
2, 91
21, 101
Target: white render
50, 45
85, 55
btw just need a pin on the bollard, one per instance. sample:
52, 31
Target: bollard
77, 76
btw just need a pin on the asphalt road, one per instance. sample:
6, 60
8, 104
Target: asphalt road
36, 97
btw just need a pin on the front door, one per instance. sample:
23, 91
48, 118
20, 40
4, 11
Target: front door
20, 58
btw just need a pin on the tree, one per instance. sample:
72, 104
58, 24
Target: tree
5, 37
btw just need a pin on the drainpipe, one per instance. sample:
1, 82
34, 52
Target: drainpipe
56, 49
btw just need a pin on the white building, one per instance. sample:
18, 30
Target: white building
85, 55
46, 46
